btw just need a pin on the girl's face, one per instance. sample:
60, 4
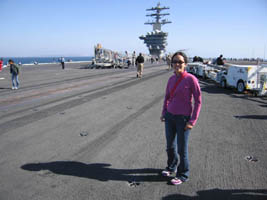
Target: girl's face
178, 64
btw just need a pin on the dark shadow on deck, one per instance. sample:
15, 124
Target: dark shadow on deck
219, 194
97, 171
211, 87
264, 117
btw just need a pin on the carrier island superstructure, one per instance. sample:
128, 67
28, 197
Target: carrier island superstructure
156, 40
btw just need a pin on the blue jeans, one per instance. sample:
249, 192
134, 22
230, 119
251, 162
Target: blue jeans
15, 80
177, 144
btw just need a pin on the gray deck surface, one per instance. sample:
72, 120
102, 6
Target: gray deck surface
95, 134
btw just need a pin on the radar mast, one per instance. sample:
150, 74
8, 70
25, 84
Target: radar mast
156, 40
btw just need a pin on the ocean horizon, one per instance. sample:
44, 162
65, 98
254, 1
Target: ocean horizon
32, 60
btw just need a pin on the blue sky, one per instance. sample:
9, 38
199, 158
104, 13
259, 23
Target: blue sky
207, 28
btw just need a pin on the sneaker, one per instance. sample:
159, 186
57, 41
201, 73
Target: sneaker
13, 88
176, 181
16, 88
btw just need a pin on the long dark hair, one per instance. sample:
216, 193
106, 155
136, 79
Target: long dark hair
180, 53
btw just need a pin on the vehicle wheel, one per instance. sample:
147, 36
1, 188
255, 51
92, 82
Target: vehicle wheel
240, 86
223, 83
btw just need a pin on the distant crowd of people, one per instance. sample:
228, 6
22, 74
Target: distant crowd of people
133, 60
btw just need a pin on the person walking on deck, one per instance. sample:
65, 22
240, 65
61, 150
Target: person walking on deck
133, 58
168, 60
1, 64
140, 65
62, 60
179, 116
14, 71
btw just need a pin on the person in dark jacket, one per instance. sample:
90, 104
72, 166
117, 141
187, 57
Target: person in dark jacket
197, 59
14, 71
62, 60
140, 65
219, 60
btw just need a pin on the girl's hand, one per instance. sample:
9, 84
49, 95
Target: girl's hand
188, 126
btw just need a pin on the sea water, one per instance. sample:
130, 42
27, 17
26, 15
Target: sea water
39, 60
